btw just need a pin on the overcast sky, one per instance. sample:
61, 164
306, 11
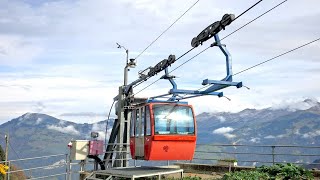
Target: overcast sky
61, 58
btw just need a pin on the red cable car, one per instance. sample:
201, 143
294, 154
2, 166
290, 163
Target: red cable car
163, 131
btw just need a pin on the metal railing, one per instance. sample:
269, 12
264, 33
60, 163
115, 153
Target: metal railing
257, 154
33, 170
252, 155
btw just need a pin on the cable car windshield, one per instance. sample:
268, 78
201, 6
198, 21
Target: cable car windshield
173, 119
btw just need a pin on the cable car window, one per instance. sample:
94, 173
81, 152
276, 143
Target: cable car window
142, 122
147, 121
137, 119
173, 119
132, 124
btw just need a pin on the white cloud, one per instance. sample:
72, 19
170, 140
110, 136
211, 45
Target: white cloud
101, 129
84, 117
281, 136
311, 134
269, 137
229, 136
255, 140
296, 131
62, 122
226, 131
221, 118
68, 129
15, 50
296, 104
223, 130
39, 120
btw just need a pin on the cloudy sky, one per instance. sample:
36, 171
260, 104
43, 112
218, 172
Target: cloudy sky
60, 57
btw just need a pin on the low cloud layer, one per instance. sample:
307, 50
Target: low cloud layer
311, 134
68, 129
296, 104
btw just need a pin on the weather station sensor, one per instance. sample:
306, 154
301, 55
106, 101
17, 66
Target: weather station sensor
94, 135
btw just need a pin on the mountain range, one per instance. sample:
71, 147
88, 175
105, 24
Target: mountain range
34, 134
265, 126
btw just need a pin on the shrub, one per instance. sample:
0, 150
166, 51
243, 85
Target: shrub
275, 172
247, 175
286, 171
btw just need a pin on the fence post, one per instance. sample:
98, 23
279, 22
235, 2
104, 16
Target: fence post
273, 147
9, 170
66, 178
69, 166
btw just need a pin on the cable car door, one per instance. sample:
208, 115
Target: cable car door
139, 133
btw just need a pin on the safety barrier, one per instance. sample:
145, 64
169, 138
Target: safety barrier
247, 155
30, 172
256, 155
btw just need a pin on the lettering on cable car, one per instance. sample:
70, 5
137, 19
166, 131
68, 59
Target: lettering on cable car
165, 148
162, 65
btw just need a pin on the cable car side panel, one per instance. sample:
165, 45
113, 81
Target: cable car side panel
170, 146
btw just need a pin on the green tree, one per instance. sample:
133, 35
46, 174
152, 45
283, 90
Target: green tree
2, 155
2, 158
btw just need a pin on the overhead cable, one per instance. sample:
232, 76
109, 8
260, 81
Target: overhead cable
275, 57
263, 62
220, 40
167, 29
195, 47
248, 9
254, 19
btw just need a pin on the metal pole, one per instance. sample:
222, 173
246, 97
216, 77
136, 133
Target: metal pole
69, 166
9, 170
83, 163
273, 147
126, 69
120, 136
6, 154
127, 122
66, 178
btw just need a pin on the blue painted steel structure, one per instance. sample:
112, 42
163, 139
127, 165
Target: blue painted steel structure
215, 85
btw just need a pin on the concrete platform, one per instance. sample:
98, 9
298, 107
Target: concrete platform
138, 172
194, 167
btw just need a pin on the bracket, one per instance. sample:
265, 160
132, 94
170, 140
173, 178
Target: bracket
215, 85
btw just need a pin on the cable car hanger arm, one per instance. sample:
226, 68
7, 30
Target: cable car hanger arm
211, 31
215, 84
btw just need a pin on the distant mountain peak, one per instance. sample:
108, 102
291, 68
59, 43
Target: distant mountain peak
294, 105
311, 101
248, 110
34, 119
